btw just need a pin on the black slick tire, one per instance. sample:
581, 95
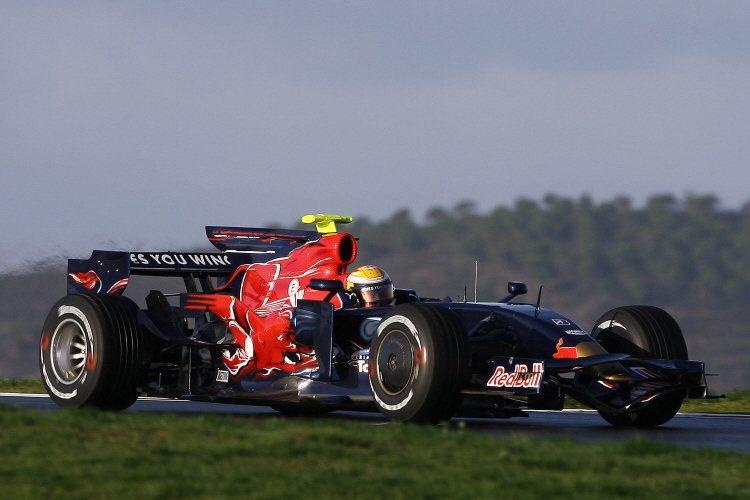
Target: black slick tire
93, 352
419, 362
644, 332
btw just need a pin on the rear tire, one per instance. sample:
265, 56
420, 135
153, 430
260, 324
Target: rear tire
419, 362
644, 332
93, 352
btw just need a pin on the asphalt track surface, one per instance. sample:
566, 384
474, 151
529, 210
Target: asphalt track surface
731, 432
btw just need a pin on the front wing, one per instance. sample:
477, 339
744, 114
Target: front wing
586, 379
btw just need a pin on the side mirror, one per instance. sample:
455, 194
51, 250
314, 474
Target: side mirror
515, 288
331, 286
326, 285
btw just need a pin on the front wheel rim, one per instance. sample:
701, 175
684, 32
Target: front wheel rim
395, 364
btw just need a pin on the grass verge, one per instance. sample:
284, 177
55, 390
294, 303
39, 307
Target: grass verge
34, 386
91, 454
737, 401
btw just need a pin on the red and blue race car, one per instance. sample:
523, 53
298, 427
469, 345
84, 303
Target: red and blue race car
276, 318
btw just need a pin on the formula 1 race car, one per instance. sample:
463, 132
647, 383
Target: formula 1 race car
274, 318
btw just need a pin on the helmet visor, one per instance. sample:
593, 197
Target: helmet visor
376, 294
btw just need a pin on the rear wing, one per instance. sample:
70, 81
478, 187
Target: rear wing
110, 271
258, 240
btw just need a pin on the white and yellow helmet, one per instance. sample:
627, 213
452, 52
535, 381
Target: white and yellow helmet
372, 285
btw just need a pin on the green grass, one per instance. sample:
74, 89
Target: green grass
737, 401
89, 454
23, 386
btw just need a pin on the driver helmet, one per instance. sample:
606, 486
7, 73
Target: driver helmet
372, 285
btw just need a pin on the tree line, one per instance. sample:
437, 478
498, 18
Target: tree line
686, 255
665, 250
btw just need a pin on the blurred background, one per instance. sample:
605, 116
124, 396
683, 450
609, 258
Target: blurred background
599, 149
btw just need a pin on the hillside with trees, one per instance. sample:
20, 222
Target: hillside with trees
685, 255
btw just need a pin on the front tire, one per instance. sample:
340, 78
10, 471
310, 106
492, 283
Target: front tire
93, 352
419, 362
644, 332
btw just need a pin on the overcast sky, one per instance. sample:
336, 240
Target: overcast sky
132, 125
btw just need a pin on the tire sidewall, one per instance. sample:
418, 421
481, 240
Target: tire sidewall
630, 323
620, 324
71, 312
407, 402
